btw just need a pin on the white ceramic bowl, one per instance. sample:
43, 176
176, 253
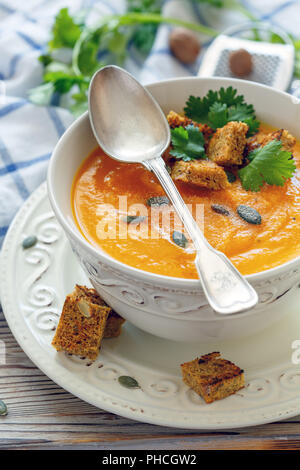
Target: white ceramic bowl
164, 306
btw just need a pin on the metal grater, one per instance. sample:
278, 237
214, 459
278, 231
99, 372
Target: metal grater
273, 64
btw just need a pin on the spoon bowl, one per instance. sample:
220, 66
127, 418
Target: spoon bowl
127, 122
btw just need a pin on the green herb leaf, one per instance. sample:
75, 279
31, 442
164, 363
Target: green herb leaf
187, 143
253, 125
65, 31
87, 59
144, 34
218, 108
240, 112
268, 164
45, 59
62, 82
218, 114
230, 97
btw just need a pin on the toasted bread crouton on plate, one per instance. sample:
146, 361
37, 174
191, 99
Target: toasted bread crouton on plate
81, 326
113, 325
212, 377
85, 320
227, 145
114, 321
202, 173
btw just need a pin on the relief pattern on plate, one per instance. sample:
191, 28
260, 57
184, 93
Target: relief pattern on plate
41, 298
290, 379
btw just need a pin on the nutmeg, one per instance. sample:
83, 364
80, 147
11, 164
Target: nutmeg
241, 63
184, 45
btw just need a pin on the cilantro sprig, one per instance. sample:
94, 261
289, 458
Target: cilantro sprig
187, 143
218, 108
109, 41
76, 51
65, 31
269, 164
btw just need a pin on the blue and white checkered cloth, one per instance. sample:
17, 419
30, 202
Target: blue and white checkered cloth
28, 133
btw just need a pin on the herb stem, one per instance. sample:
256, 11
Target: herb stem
134, 19
157, 18
235, 5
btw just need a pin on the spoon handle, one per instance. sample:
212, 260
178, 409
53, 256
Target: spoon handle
226, 290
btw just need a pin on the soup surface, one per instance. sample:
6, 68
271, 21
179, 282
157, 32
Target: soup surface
106, 191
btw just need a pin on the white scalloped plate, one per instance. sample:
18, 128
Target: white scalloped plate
34, 283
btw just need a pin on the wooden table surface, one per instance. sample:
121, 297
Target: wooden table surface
42, 415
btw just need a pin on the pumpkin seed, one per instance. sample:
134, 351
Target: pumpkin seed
230, 176
84, 308
30, 241
135, 219
249, 214
220, 209
179, 239
158, 201
3, 408
128, 382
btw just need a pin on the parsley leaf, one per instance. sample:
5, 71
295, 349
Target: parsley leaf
188, 143
240, 112
229, 96
144, 34
268, 164
90, 48
218, 114
218, 108
62, 81
65, 31
87, 59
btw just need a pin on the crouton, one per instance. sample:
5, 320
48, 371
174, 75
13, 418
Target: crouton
114, 322
176, 120
113, 325
288, 141
202, 173
85, 320
252, 144
227, 145
212, 377
81, 325
91, 294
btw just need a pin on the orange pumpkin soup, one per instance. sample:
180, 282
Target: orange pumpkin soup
252, 248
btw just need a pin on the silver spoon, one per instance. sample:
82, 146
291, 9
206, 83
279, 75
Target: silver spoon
130, 127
